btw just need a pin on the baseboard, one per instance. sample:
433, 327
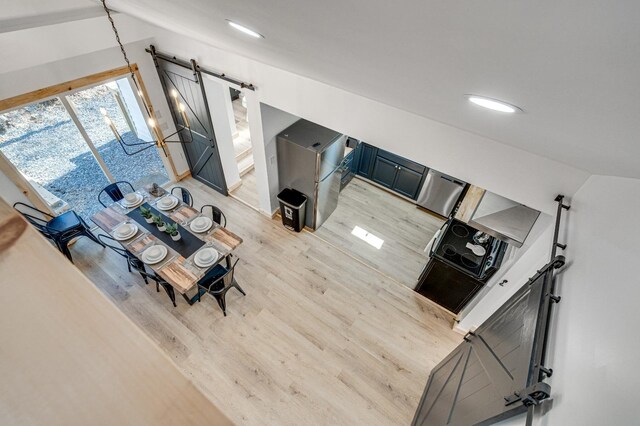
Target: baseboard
183, 176
234, 186
271, 215
456, 327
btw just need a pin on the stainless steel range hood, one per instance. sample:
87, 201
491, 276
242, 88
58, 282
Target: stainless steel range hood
504, 219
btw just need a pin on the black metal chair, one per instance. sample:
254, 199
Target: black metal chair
183, 194
59, 229
218, 282
216, 214
138, 265
132, 261
114, 191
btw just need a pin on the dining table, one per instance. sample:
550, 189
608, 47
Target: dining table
178, 267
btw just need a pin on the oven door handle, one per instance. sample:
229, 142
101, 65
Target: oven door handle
436, 239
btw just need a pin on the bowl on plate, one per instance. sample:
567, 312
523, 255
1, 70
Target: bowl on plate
154, 254
131, 197
206, 257
200, 224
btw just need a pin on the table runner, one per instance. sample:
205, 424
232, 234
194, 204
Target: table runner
186, 246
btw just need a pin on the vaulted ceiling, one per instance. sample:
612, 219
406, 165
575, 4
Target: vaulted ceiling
572, 65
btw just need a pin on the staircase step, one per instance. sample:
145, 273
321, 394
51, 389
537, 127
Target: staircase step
245, 165
244, 154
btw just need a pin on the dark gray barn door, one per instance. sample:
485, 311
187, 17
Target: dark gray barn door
202, 153
470, 386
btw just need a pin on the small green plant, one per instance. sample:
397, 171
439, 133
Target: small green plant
157, 219
145, 212
171, 229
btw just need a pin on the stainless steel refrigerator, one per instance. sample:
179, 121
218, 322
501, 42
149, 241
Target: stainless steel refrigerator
310, 160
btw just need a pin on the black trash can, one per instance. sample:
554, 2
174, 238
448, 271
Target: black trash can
293, 207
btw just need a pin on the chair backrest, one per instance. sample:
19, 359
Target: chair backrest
40, 223
216, 214
113, 245
227, 278
114, 191
184, 194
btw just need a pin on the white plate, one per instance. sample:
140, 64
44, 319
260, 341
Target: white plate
207, 251
139, 199
162, 206
125, 231
201, 224
154, 254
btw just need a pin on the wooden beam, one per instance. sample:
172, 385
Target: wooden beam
469, 203
147, 100
23, 184
60, 88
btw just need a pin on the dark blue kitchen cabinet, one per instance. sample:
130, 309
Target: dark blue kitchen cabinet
366, 157
407, 182
384, 172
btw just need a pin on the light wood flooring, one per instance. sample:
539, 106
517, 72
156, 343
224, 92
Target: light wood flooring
319, 338
405, 229
248, 191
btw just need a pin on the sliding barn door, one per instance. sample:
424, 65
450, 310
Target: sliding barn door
202, 152
490, 375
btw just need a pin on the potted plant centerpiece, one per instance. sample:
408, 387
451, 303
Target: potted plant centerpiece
146, 214
157, 219
172, 229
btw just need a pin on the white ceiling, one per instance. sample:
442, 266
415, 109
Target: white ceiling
572, 65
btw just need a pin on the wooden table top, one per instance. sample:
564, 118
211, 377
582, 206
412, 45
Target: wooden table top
180, 272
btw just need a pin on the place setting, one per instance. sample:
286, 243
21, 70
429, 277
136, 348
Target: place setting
131, 200
200, 224
167, 203
154, 254
125, 231
206, 257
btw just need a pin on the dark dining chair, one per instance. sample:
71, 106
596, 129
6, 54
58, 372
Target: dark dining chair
183, 194
218, 282
114, 191
216, 214
132, 261
138, 266
59, 229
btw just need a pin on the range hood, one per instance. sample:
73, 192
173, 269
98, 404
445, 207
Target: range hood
504, 219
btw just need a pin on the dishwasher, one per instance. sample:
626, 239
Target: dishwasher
440, 193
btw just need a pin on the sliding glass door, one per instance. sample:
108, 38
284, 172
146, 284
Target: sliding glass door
69, 153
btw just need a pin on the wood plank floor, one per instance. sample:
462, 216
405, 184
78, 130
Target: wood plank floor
319, 338
248, 191
405, 229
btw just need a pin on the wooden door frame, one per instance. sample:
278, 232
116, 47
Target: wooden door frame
57, 90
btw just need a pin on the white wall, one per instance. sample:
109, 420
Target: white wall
594, 351
274, 121
218, 98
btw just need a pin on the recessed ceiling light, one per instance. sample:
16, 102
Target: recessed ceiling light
245, 29
493, 104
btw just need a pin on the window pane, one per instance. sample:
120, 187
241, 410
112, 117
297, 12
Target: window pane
46, 147
117, 100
